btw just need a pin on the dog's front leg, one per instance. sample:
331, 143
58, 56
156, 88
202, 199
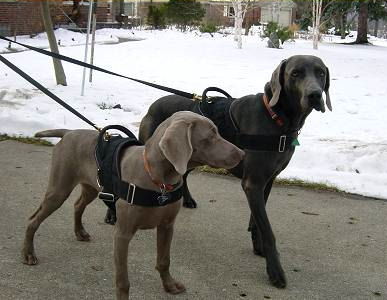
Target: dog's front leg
164, 240
122, 235
121, 244
255, 191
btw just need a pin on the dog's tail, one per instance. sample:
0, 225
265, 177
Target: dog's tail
59, 133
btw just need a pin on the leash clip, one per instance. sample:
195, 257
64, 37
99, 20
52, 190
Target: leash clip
282, 143
197, 97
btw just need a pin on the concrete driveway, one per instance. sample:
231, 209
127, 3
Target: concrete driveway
332, 246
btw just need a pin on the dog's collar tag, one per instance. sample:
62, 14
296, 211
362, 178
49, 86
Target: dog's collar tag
163, 198
295, 142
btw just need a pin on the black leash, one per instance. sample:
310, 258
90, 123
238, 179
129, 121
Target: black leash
83, 64
46, 91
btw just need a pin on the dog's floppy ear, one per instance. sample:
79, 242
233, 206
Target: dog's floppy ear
276, 82
326, 90
268, 91
176, 145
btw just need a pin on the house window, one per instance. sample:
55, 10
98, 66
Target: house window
4, 29
228, 11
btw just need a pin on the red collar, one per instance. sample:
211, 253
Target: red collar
273, 115
164, 187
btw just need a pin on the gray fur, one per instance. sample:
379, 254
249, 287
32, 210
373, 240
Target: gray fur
73, 164
295, 89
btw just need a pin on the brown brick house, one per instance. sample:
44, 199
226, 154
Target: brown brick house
219, 12
18, 17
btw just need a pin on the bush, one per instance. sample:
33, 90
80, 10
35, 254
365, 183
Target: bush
275, 31
157, 16
208, 28
184, 13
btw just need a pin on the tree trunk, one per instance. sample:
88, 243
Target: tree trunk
343, 24
362, 23
238, 21
248, 25
317, 6
376, 28
59, 72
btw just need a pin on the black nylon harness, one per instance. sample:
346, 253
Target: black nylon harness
108, 154
218, 110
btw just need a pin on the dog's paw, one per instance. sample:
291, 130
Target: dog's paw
82, 235
30, 259
174, 287
190, 203
110, 217
277, 276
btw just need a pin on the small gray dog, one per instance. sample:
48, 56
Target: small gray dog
267, 126
184, 140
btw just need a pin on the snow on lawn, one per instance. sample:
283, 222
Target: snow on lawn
346, 148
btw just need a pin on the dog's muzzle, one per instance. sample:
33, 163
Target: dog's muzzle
316, 100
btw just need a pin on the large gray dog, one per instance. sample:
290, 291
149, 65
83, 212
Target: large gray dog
266, 127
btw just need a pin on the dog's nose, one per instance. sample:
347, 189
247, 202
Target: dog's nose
315, 96
242, 154
239, 154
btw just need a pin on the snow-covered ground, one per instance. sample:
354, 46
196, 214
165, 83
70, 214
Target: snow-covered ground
346, 148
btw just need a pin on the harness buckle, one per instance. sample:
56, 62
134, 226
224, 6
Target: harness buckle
106, 197
132, 188
282, 143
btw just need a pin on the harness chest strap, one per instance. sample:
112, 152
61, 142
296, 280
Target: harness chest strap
107, 156
273, 143
280, 122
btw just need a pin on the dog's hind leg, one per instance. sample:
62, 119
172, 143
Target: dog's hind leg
88, 195
164, 239
256, 235
54, 198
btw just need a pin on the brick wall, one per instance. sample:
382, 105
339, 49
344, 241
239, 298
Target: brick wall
21, 17
24, 17
103, 14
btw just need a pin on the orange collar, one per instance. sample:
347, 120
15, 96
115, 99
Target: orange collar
273, 115
164, 187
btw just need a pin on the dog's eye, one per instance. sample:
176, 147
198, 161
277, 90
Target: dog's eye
295, 74
321, 74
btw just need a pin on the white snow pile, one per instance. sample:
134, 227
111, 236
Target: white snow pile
346, 148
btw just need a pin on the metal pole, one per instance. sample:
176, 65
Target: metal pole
87, 45
93, 41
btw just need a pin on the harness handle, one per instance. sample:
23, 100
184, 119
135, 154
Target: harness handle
116, 127
214, 89
103, 140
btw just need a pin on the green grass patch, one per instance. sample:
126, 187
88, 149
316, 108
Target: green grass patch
25, 140
308, 185
208, 169
283, 182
